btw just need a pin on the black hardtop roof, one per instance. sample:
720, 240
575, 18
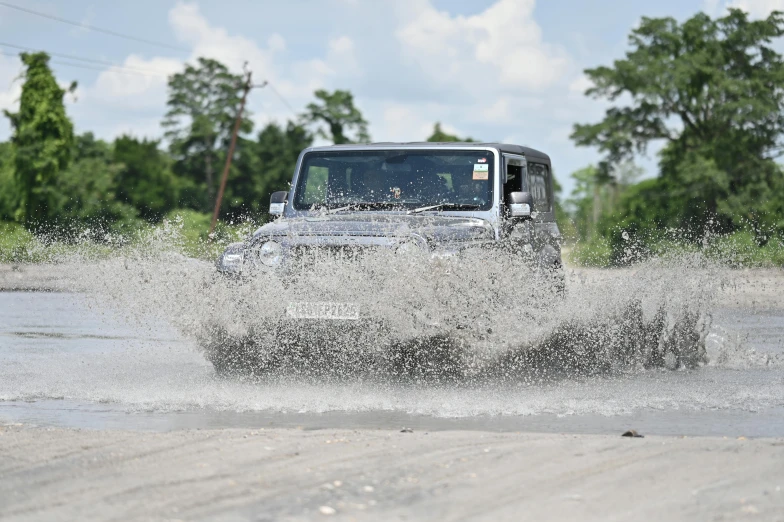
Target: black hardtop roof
503, 147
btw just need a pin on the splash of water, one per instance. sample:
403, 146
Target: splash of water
482, 315
606, 348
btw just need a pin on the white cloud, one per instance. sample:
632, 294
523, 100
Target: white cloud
711, 7
501, 45
499, 110
342, 45
142, 85
294, 80
192, 28
10, 85
124, 101
490, 75
135, 101
580, 84
276, 43
494, 62
401, 122
407, 122
341, 54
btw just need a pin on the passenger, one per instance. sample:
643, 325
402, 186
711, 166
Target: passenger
476, 190
468, 188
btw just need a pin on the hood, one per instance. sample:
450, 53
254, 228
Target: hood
372, 225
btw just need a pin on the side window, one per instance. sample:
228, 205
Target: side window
539, 183
514, 176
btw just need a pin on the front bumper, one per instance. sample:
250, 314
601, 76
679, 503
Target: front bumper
238, 259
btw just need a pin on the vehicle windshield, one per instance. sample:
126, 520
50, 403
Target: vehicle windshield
396, 180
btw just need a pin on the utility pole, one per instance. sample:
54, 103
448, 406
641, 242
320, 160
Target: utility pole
246, 87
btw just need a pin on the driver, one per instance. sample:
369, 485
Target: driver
375, 184
428, 185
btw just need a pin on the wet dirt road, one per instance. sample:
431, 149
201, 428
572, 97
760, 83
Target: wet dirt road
285, 474
65, 360
103, 417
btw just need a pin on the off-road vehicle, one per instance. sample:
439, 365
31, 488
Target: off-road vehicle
435, 197
435, 203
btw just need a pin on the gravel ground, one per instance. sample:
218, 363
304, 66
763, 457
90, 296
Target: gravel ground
42, 278
278, 474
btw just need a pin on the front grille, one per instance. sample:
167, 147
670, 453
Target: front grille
307, 255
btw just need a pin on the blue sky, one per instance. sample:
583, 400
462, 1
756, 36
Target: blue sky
506, 70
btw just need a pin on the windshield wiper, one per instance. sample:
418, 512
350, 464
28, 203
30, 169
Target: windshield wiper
338, 209
362, 204
445, 206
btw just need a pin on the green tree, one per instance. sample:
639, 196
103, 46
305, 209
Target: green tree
264, 166
597, 193
334, 114
203, 103
440, 136
86, 191
8, 190
713, 91
42, 140
145, 179
582, 200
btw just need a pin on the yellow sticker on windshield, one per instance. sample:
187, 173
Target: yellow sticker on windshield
481, 171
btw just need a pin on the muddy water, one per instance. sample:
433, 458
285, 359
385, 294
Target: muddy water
71, 359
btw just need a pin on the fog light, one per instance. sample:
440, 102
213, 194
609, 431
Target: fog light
231, 262
408, 248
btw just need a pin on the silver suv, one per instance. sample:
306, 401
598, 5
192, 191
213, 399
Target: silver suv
434, 197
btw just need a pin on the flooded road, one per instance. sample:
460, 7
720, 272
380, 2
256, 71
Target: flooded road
109, 408
68, 361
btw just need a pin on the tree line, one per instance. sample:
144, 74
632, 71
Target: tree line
708, 93
51, 177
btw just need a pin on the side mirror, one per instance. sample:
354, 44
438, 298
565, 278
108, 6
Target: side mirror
278, 202
520, 204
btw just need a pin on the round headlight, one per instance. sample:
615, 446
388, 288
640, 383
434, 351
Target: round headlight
271, 253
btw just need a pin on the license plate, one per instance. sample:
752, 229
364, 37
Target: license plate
323, 310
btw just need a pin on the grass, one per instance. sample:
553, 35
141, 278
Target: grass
737, 250
185, 231
596, 253
191, 233
15, 243
740, 249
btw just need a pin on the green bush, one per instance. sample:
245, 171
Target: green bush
185, 231
741, 249
669, 247
189, 230
596, 253
16, 243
